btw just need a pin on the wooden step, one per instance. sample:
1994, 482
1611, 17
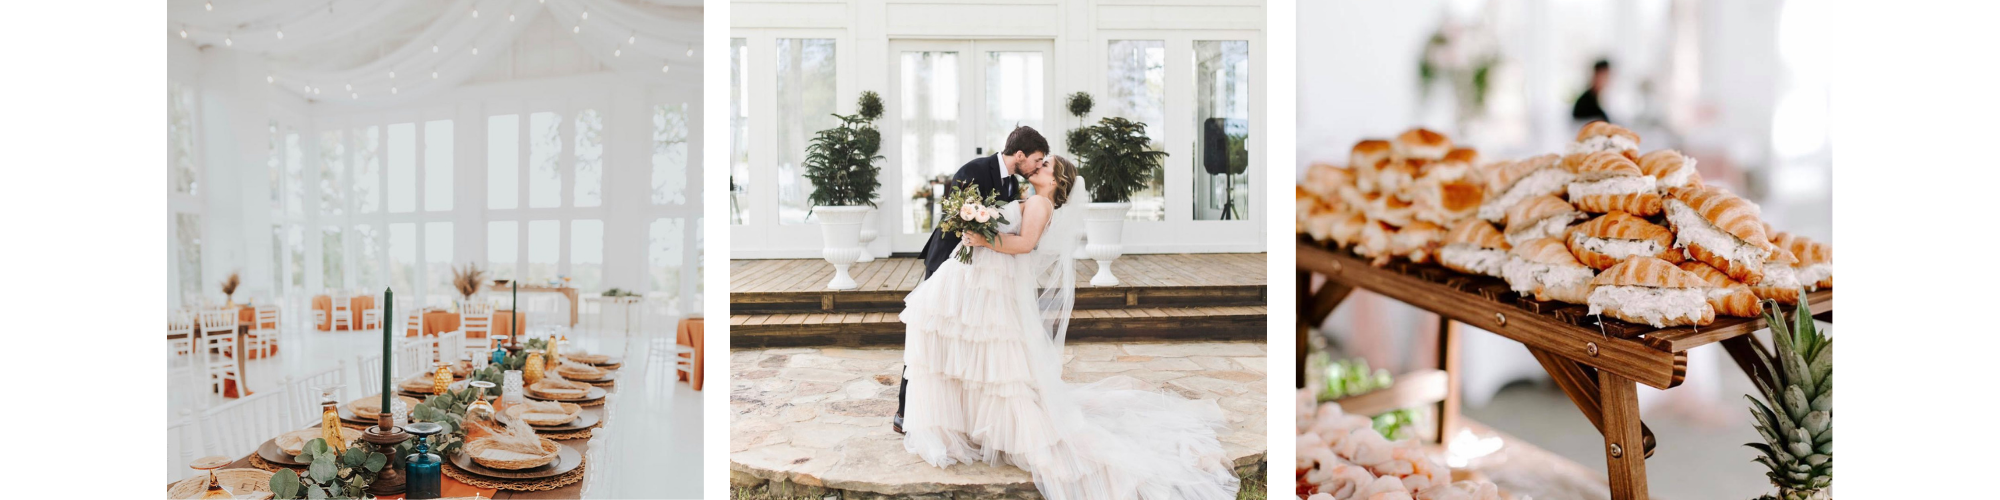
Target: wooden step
1148, 281
856, 329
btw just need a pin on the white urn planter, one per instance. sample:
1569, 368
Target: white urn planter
868, 234
840, 229
1104, 226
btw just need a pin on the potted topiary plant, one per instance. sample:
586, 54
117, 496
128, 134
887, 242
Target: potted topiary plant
840, 163
870, 109
1117, 158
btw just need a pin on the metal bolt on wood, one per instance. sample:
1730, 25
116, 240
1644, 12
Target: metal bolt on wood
1617, 451
1502, 317
1590, 348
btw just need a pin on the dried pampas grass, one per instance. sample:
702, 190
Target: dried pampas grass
468, 279
230, 283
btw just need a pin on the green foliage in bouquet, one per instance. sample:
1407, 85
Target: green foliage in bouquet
840, 161
967, 196
1117, 158
332, 474
1796, 416
447, 410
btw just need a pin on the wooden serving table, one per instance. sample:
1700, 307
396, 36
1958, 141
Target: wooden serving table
1598, 362
565, 291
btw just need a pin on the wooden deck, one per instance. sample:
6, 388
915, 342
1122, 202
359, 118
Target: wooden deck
776, 303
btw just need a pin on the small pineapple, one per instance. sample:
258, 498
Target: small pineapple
1796, 415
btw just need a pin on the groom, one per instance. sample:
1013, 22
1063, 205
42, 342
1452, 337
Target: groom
995, 174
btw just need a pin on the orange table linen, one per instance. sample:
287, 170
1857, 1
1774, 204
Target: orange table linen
690, 334
358, 303
436, 322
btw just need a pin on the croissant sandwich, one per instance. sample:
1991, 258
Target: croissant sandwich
1513, 182
1543, 267
1331, 182
1609, 181
1418, 242
1474, 247
1815, 266
1721, 229
1540, 217
1389, 210
1398, 177
1443, 202
1302, 209
1781, 282
1599, 137
1375, 242
1669, 169
1727, 296
1422, 144
1651, 291
1609, 239
1367, 158
1320, 225
1344, 228
1457, 164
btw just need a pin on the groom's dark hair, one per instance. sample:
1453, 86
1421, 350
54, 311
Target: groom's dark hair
1025, 139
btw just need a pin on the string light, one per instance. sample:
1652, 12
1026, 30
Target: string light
586, 14
392, 75
510, 16
227, 41
632, 40
357, 96
664, 68
315, 90
617, 52
690, 50
577, 29
350, 86
281, 32
475, 51
434, 47
184, 32
208, 5
306, 89
475, 13
434, 75
392, 90
270, 79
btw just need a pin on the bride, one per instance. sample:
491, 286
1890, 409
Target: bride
984, 354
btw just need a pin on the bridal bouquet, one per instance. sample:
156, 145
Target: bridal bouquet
974, 214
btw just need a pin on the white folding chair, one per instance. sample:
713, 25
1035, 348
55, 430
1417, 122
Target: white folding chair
413, 316
180, 336
237, 428
371, 318
260, 339
412, 357
183, 445
475, 320
303, 393
343, 311
448, 348
218, 332
369, 366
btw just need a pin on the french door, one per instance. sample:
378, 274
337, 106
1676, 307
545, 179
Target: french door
950, 101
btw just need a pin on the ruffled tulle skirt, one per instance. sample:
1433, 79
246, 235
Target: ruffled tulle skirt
984, 386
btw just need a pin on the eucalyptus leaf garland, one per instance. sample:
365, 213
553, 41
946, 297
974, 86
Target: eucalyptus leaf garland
330, 474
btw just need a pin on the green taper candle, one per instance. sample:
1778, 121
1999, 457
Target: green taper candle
515, 321
388, 311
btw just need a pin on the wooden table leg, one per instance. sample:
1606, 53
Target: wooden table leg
1579, 382
1448, 409
1304, 298
1313, 310
1627, 469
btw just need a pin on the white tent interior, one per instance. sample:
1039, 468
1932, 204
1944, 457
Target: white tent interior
357, 145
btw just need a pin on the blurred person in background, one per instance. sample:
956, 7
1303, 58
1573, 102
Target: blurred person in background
1587, 107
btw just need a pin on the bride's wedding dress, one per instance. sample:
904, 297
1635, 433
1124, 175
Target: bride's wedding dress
986, 386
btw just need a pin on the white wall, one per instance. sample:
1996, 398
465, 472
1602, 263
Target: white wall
865, 30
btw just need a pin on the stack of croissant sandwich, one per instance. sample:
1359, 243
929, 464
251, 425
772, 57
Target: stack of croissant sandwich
1637, 237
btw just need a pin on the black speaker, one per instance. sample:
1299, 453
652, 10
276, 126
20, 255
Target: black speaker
1215, 134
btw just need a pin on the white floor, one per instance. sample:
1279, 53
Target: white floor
654, 433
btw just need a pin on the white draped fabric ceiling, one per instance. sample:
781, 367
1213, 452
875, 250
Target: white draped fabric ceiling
389, 51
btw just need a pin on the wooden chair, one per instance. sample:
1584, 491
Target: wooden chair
303, 393
343, 311
218, 333
239, 427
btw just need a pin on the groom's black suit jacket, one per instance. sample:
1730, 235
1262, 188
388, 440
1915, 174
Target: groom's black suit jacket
982, 172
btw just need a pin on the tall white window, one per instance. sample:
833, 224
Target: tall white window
274, 168
180, 138
586, 254
295, 244
503, 161
544, 160
1135, 89
437, 261
295, 188
670, 154
503, 243
544, 250
1222, 130
367, 169
367, 259
187, 237
332, 160
806, 104
739, 132
663, 255
403, 258
589, 158
333, 272
437, 165
402, 167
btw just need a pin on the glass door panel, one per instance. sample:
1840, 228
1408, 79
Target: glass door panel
930, 134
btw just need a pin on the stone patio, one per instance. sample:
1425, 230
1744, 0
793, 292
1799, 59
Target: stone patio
816, 420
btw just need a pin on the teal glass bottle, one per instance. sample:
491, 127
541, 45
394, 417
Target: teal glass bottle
423, 469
